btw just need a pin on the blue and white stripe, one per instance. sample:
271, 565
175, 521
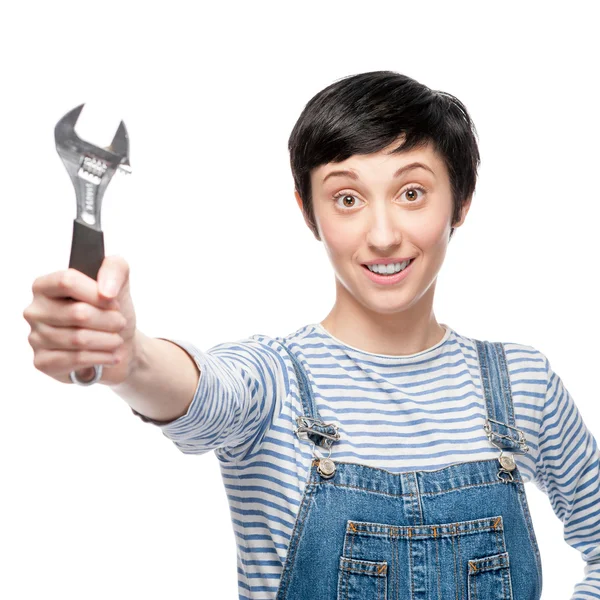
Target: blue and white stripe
400, 413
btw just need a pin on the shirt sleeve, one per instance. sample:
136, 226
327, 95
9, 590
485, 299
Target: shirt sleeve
568, 471
241, 389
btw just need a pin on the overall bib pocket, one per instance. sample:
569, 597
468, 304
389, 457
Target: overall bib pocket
489, 578
462, 559
362, 579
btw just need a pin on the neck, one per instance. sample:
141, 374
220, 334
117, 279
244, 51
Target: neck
396, 334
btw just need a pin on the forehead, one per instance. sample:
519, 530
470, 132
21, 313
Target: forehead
385, 161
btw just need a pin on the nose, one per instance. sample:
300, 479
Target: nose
383, 228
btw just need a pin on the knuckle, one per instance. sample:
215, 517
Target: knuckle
80, 312
65, 280
33, 339
39, 361
36, 286
79, 339
31, 314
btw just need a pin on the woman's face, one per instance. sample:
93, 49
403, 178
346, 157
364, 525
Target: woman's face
384, 206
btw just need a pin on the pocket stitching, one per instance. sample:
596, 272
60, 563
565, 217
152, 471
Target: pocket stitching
498, 562
374, 564
354, 527
378, 570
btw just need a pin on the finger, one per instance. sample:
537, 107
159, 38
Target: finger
70, 283
69, 338
62, 362
112, 276
58, 312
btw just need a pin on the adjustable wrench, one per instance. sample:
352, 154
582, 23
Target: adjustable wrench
91, 168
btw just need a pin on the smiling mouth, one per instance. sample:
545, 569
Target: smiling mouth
410, 262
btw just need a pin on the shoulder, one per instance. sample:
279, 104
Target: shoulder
262, 344
520, 358
264, 355
528, 369
280, 347
526, 359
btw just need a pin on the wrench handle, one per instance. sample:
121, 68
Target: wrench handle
87, 249
87, 254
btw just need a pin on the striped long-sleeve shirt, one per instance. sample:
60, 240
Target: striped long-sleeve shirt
401, 413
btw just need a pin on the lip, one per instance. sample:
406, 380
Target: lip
388, 279
387, 261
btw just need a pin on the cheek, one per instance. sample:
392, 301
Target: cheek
431, 233
339, 241
430, 239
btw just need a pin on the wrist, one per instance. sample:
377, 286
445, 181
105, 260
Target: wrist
135, 365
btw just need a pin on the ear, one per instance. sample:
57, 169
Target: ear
464, 211
300, 206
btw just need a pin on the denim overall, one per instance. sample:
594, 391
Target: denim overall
462, 532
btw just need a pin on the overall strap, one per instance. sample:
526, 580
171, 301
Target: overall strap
310, 424
500, 416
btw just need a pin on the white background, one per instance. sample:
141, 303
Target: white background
96, 503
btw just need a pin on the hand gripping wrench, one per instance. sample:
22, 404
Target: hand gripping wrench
91, 168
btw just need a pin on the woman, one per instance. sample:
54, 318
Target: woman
378, 453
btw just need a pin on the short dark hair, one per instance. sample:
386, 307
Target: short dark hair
365, 113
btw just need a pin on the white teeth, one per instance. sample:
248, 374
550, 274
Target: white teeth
388, 269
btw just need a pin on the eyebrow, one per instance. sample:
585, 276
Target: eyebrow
400, 171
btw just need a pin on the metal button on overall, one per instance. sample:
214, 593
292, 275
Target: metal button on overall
462, 531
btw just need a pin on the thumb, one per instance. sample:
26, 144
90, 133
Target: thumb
113, 273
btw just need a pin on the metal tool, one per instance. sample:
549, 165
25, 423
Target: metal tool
91, 168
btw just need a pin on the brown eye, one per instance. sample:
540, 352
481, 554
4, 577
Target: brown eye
412, 194
347, 201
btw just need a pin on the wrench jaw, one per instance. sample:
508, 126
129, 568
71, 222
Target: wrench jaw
120, 147
90, 167
64, 132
